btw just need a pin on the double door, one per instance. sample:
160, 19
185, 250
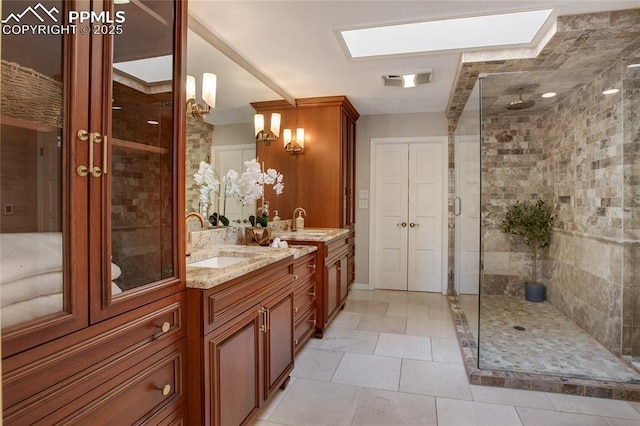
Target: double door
408, 215
89, 166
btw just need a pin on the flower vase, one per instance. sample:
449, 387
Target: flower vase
204, 210
262, 236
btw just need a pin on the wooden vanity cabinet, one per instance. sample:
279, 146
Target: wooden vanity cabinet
240, 344
111, 349
304, 299
332, 286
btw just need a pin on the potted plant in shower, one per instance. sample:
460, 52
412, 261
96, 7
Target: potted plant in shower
533, 222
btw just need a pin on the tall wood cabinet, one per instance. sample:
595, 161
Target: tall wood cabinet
93, 257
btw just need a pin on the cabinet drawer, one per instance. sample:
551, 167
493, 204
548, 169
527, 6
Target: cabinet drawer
220, 306
304, 266
304, 328
336, 248
304, 296
150, 390
50, 376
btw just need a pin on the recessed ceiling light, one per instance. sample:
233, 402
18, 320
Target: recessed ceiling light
121, 1
460, 33
153, 122
633, 65
549, 95
610, 91
116, 108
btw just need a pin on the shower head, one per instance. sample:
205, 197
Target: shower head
520, 104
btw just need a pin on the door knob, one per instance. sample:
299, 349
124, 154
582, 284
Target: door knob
414, 225
402, 224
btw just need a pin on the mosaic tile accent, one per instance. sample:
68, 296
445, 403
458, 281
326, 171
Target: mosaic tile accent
528, 381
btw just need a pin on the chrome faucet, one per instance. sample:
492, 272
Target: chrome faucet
293, 219
186, 222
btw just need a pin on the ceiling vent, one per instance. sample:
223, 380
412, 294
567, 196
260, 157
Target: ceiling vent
407, 80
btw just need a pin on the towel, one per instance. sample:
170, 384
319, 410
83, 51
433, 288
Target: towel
31, 309
27, 254
30, 287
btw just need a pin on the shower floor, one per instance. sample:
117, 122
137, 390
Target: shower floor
550, 344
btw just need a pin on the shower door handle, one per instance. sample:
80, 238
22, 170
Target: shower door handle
457, 206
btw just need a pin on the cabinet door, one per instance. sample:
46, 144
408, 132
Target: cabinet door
278, 347
43, 231
136, 79
344, 278
233, 367
331, 282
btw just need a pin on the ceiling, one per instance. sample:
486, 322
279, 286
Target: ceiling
293, 46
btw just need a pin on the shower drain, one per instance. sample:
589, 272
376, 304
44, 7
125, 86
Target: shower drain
519, 328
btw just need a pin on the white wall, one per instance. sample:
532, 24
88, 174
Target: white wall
384, 126
233, 134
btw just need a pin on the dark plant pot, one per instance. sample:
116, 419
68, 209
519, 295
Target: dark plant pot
534, 292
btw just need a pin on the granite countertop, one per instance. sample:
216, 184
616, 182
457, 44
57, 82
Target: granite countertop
256, 258
310, 234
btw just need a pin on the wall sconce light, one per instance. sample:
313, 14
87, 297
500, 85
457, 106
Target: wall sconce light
293, 147
267, 136
209, 83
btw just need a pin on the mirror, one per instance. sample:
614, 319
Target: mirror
225, 137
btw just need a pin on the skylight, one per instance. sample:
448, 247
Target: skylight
151, 70
460, 33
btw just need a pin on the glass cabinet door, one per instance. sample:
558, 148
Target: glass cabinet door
138, 132
43, 222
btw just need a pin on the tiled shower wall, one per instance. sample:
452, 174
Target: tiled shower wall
571, 157
199, 141
511, 171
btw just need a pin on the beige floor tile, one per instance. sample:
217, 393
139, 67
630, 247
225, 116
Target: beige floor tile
453, 412
264, 423
620, 422
346, 319
446, 350
408, 311
360, 295
370, 371
430, 328
593, 406
316, 364
399, 346
434, 378
434, 299
366, 307
350, 340
515, 397
273, 403
440, 313
384, 324
384, 408
535, 417
310, 402
390, 296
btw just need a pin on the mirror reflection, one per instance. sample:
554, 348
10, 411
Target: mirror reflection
224, 139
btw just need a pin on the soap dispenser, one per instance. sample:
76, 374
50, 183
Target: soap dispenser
300, 221
276, 218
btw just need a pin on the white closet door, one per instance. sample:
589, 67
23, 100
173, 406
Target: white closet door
226, 158
425, 217
391, 208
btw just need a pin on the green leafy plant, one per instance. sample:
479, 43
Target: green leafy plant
533, 222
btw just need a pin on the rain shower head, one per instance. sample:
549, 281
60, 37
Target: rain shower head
520, 104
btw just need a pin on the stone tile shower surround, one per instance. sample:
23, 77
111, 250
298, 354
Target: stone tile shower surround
588, 171
199, 142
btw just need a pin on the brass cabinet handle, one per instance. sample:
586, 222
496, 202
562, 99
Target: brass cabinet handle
311, 294
295, 276
414, 225
95, 171
311, 266
402, 224
166, 389
166, 326
295, 342
295, 310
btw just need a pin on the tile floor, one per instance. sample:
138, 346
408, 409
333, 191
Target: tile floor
392, 358
550, 344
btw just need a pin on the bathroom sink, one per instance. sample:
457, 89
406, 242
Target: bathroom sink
218, 262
